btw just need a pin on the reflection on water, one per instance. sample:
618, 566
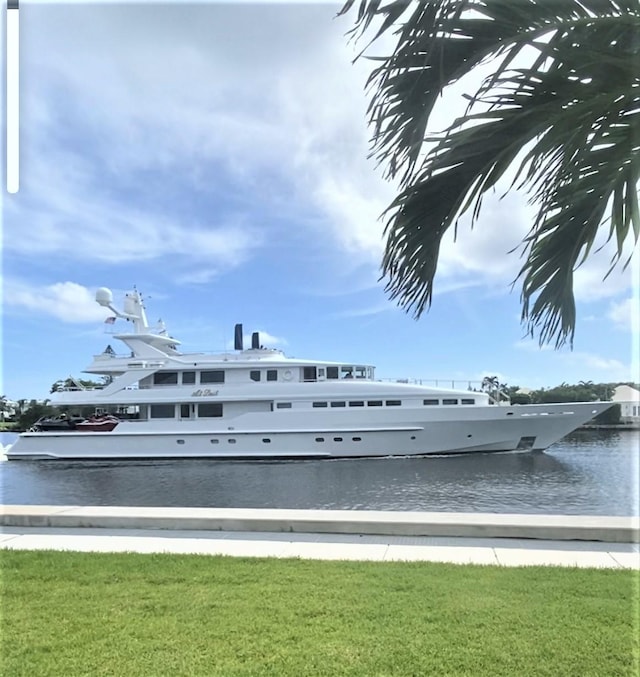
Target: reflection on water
589, 472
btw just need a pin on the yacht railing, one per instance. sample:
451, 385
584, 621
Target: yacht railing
496, 395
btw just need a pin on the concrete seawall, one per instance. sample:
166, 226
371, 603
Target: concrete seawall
383, 523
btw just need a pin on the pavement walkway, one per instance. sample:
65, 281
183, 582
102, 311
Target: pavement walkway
496, 551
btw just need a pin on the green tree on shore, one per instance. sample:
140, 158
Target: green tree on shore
561, 110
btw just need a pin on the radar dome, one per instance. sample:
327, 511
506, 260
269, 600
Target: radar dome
104, 296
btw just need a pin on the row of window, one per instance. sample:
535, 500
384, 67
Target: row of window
215, 410
375, 403
256, 374
163, 378
449, 400
267, 440
203, 409
167, 378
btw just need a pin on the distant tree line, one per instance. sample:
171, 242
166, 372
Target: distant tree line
584, 391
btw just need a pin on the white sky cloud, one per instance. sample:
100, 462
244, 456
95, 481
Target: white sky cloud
66, 301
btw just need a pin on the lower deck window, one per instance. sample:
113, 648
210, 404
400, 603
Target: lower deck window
319, 405
162, 411
430, 402
210, 410
283, 405
393, 403
374, 403
449, 401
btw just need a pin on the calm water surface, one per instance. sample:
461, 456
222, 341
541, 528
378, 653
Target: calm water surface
588, 472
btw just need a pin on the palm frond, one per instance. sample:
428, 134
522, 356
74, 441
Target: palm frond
568, 122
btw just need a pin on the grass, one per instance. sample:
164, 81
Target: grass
131, 614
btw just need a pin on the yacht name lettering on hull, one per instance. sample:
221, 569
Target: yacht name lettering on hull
204, 392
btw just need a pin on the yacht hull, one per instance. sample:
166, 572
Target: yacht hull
479, 430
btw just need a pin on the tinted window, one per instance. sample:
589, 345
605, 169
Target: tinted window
254, 375
272, 374
184, 410
188, 377
210, 409
216, 376
467, 401
319, 405
309, 373
332, 372
449, 401
283, 405
338, 404
163, 378
374, 403
393, 403
429, 402
162, 411
357, 403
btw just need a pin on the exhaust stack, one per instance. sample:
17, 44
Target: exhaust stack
237, 342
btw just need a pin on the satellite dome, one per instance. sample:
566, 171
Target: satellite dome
104, 296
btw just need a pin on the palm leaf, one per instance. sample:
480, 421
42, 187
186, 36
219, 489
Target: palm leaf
568, 122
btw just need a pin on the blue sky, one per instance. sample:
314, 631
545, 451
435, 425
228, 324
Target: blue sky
215, 156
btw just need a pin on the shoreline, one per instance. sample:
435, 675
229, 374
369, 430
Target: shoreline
610, 529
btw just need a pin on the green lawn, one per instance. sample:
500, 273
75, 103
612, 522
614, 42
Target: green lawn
132, 614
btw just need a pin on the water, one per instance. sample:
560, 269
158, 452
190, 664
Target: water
587, 473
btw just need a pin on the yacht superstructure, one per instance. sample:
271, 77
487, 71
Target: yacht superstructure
258, 403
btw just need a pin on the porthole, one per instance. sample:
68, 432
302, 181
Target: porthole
337, 439
357, 439
214, 441
413, 437
180, 441
319, 439
266, 440
231, 440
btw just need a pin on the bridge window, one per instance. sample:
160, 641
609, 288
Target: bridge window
361, 372
308, 373
272, 374
332, 372
254, 375
466, 400
215, 376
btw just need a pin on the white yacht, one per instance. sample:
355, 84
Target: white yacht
158, 402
